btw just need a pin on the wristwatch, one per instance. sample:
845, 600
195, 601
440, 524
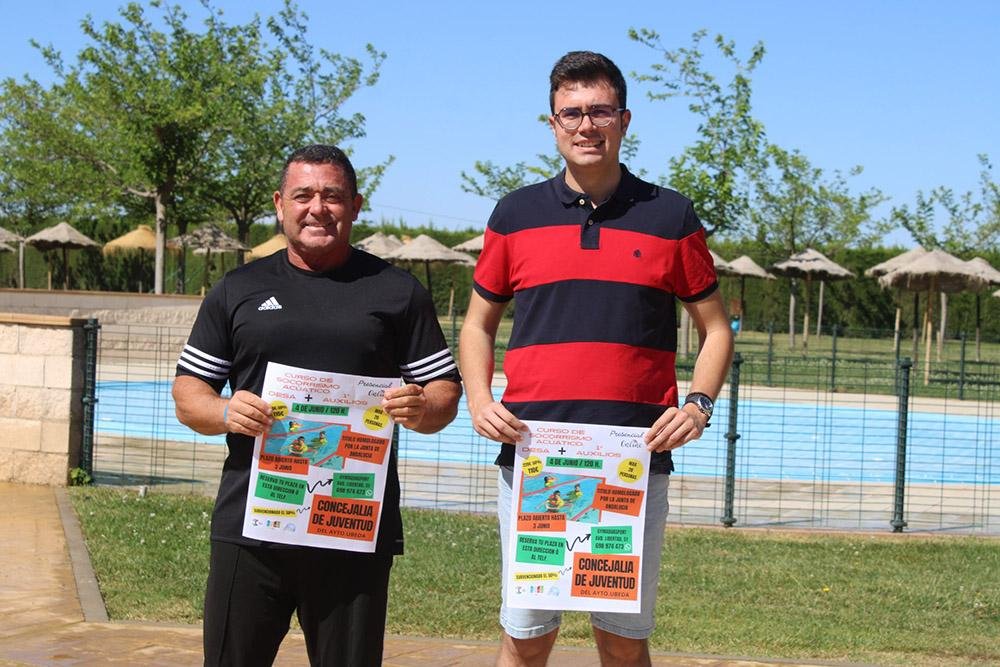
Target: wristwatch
703, 402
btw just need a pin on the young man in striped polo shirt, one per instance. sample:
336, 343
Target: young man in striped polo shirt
594, 260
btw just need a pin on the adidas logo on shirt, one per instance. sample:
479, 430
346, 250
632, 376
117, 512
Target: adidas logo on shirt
270, 304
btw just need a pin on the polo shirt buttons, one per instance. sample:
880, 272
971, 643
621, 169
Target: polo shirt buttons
581, 201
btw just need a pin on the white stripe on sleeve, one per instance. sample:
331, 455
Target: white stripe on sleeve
203, 364
429, 367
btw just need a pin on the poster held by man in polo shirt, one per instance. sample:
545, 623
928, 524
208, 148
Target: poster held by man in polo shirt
318, 476
580, 505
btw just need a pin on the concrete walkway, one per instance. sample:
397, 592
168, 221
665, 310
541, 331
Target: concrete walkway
51, 611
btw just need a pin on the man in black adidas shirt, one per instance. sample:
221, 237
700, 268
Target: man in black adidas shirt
326, 306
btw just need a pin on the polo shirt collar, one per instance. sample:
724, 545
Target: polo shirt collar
629, 188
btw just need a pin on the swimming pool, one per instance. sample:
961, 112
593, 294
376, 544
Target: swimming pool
780, 441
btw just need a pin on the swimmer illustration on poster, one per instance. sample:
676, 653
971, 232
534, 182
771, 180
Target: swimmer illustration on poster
570, 494
580, 503
315, 441
318, 476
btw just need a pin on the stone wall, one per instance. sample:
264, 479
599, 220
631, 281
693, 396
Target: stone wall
108, 307
41, 392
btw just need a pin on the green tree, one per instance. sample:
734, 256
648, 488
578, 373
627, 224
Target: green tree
494, 181
286, 95
973, 217
188, 120
972, 227
795, 206
718, 169
135, 115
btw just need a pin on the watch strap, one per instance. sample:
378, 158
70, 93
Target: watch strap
693, 399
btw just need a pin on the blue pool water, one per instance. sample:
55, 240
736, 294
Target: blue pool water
790, 441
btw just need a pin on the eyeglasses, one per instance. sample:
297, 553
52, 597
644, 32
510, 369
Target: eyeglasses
571, 118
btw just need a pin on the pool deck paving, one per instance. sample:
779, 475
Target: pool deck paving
52, 612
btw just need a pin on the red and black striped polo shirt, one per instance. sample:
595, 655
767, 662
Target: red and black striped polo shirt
595, 327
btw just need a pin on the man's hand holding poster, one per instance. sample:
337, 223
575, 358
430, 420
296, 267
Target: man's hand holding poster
318, 477
579, 505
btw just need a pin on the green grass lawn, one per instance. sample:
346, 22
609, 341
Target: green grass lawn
902, 600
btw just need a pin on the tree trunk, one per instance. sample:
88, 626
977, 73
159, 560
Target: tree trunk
978, 321
819, 310
943, 324
161, 242
743, 303
895, 331
20, 264
180, 284
791, 315
805, 318
205, 273
928, 334
243, 234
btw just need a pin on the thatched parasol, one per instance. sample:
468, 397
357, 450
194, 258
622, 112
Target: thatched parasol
721, 265
141, 238
933, 272
809, 264
9, 237
58, 237
475, 244
268, 247
379, 244
425, 249
744, 267
885, 267
205, 240
984, 270
893, 263
61, 237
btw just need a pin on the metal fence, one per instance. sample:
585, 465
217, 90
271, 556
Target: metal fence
812, 440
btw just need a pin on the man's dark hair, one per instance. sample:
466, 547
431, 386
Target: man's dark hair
322, 154
586, 67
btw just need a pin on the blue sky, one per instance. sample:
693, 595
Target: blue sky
908, 90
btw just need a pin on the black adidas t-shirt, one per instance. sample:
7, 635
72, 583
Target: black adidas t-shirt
365, 317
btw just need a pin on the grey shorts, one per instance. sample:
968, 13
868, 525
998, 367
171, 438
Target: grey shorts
530, 623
